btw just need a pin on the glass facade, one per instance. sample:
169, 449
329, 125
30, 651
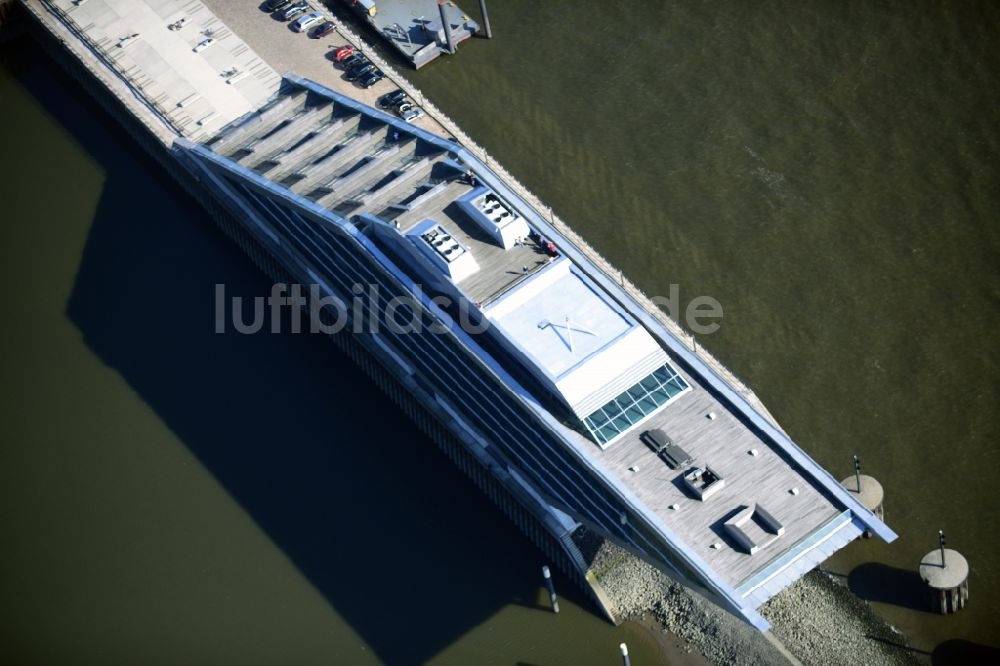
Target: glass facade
634, 404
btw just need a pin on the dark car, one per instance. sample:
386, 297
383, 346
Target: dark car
290, 12
357, 72
389, 100
323, 29
355, 65
371, 79
351, 61
275, 5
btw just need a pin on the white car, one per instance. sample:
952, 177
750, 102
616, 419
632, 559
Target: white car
409, 112
304, 23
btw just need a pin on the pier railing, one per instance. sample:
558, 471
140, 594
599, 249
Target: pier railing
450, 128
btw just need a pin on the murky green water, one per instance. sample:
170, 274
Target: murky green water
828, 171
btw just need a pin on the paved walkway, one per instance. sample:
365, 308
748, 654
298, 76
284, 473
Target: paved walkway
188, 66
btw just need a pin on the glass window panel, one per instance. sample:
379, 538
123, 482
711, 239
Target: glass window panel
622, 423
612, 409
647, 404
636, 392
649, 383
674, 386
608, 432
634, 413
659, 397
598, 418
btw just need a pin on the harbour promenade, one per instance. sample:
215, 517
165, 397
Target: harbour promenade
175, 67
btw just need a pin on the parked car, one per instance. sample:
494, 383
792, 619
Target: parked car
357, 72
275, 5
352, 61
371, 79
391, 99
323, 29
303, 23
343, 52
291, 11
409, 112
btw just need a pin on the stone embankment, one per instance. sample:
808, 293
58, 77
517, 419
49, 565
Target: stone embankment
817, 621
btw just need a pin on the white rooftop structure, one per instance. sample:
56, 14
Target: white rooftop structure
444, 250
576, 338
495, 216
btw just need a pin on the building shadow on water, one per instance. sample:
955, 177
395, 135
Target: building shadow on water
405, 549
956, 652
874, 581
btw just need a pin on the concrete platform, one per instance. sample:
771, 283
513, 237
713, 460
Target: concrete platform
414, 28
951, 574
186, 64
870, 493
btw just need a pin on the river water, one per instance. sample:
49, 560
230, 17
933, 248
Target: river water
830, 173
827, 171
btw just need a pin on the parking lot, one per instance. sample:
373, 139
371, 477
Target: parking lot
289, 51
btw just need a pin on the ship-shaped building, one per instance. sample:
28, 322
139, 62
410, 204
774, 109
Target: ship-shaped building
553, 377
